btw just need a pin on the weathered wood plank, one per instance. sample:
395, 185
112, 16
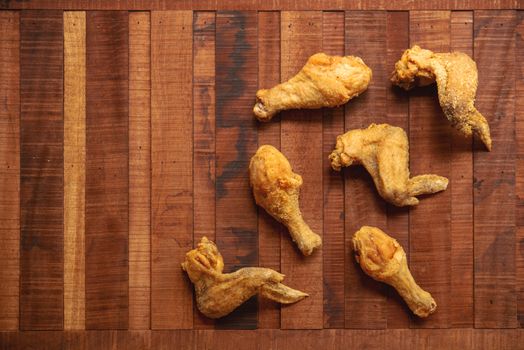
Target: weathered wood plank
74, 168
333, 34
519, 133
397, 111
204, 25
494, 172
461, 186
365, 297
41, 170
301, 35
172, 162
107, 170
236, 140
139, 170
9, 169
430, 153
269, 230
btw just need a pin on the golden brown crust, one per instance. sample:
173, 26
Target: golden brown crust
217, 293
384, 151
456, 77
276, 189
382, 258
325, 81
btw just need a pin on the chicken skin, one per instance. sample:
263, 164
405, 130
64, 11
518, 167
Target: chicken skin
276, 189
384, 151
325, 81
383, 258
218, 294
456, 77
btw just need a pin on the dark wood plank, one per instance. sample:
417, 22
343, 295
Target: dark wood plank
333, 34
461, 186
204, 25
74, 168
107, 151
139, 170
301, 35
236, 140
397, 112
172, 163
430, 153
494, 172
9, 168
365, 297
269, 230
289, 5
519, 133
41, 170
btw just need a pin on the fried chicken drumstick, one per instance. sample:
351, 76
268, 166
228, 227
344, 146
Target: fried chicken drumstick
276, 189
325, 81
383, 259
218, 294
456, 77
384, 151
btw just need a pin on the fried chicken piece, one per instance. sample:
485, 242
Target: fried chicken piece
456, 77
276, 189
218, 294
383, 259
384, 151
325, 81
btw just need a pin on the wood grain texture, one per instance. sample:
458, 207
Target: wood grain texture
74, 168
172, 162
430, 153
365, 297
236, 140
461, 187
397, 112
270, 231
263, 5
41, 170
301, 37
333, 252
494, 172
204, 25
9, 169
107, 171
139, 170
519, 134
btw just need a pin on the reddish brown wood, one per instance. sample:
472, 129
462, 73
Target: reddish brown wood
41, 170
519, 134
333, 184
269, 230
139, 170
305, 5
430, 153
203, 135
365, 298
107, 153
236, 140
9, 169
461, 183
172, 162
301, 35
494, 172
397, 111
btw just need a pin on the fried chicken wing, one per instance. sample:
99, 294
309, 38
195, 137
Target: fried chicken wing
325, 81
382, 258
384, 151
218, 294
276, 189
456, 77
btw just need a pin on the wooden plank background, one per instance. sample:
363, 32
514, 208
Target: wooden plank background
125, 136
